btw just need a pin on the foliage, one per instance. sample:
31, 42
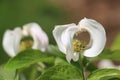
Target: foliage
105, 74
59, 69
61, 72
27, 58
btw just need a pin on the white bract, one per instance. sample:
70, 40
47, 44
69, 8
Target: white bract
106, 63
12, 38
64, 36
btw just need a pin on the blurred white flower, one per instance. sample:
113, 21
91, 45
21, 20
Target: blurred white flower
106, 63
12, 39
40, 38
64, 36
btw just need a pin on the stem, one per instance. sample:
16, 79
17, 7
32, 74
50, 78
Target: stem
82, 66
16, 75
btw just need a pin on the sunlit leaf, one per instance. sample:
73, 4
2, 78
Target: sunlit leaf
61, 72
105, 74
27, 58
7, 74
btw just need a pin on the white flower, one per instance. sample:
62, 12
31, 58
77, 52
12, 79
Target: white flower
40, 38
12, 39
64, 36
106, 63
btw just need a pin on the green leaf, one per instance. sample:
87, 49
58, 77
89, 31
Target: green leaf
7, 74
61, 61
105, 74
89, 66
61, 72
111, 78
29, 73
26, 58
116, 43
53, 50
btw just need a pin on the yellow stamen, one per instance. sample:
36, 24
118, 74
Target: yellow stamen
78, 45
26, 45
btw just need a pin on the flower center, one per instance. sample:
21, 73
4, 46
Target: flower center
80, 41
26, 43
78, 45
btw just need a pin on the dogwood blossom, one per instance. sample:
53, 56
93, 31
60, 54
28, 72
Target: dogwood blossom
12, 38
64, 36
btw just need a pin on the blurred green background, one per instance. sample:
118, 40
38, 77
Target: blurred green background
14, 13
